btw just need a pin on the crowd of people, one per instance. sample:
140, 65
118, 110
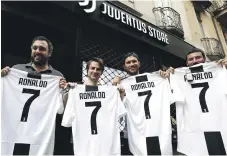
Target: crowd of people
145, 136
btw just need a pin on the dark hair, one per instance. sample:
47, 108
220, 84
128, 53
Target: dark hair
98, 60
130, 54
43, 38
195, 50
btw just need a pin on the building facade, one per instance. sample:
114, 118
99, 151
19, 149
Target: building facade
202, 24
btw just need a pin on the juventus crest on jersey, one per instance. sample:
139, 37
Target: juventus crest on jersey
93, 113
201, 95
148, 99
29, 106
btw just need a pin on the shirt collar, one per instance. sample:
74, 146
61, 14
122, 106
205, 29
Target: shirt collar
50, 69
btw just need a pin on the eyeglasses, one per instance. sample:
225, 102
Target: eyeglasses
41, 48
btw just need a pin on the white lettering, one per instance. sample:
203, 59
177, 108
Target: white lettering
166, 39
110, 12
158, 35
138, 25
150, 31
117, 14
104, 8
128, 20
134, 22
144, 28
123, 17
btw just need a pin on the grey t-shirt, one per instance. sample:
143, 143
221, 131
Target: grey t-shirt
28, 68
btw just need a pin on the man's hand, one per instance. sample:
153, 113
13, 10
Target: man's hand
72, 84
223, 62
62, 83
116, 80
165, 74
5, 71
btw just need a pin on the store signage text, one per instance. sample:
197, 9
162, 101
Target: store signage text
134, 22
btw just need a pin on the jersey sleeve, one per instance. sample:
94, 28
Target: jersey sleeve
121, 108
177, 93
69, 111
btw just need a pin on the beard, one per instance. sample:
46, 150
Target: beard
132, 73
41, 61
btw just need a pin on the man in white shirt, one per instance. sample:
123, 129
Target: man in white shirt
193, 57
201, 97
95, 131
138, 88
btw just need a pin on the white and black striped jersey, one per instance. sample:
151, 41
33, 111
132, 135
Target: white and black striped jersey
201, 108
29, 105
93, 112
148, 99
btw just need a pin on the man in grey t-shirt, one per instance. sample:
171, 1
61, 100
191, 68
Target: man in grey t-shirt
42, 50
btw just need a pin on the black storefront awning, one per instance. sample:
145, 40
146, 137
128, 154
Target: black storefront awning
113, 16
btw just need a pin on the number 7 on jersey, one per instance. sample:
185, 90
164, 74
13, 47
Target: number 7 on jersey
94, 115
202, 99
24, 116
146, 102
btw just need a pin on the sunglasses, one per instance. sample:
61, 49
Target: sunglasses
41, 48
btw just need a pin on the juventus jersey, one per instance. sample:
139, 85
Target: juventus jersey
201, 108
29, 105
93, 113
148, 99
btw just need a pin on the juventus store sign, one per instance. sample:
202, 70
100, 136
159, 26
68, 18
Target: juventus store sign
133, 22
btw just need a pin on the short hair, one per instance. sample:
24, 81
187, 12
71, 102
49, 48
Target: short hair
98, 60
43, 38
195, 50
130, 54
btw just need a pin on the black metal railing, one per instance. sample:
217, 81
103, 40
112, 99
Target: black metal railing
216, 7
169, 19
213, 47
